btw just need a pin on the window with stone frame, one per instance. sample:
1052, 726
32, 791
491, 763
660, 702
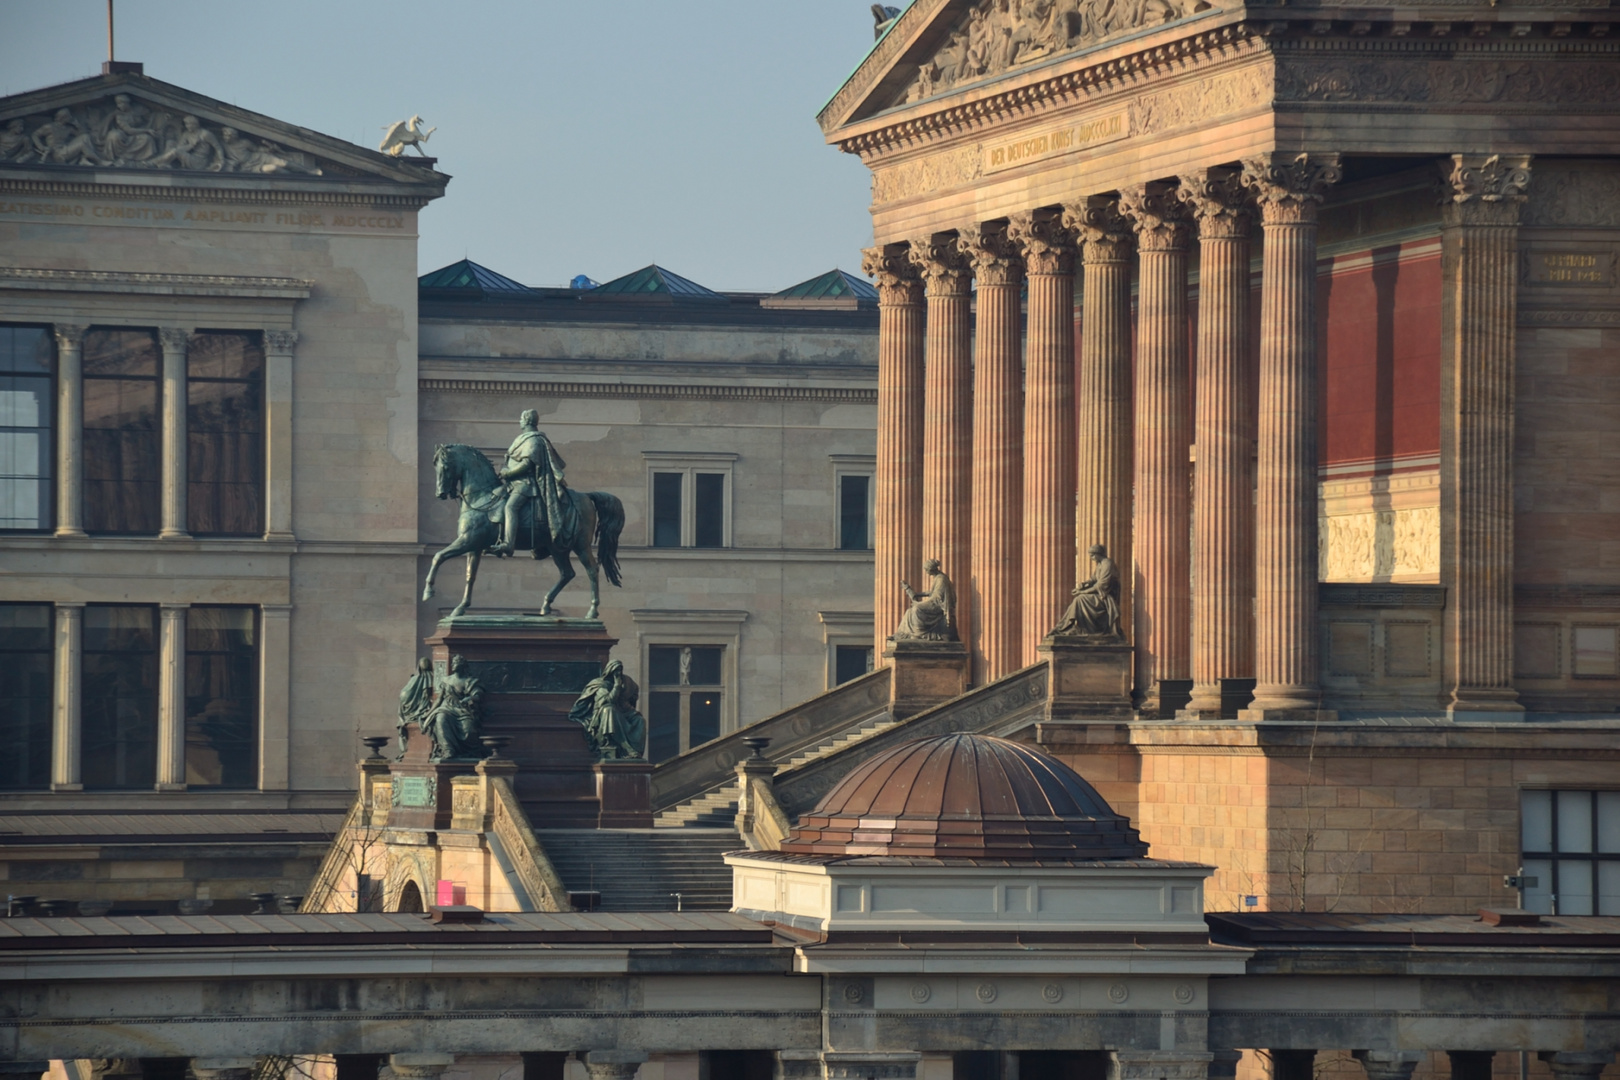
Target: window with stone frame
27, 655
122, 450
854, 512
685, 687
119, 696
851, 662
225, 447
222, 697
1570, 843
689, 499
27, 411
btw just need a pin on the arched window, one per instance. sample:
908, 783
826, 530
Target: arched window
410, 898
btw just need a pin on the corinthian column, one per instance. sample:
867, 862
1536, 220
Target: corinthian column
1048, 424
1480, 251
998, 452
1163, 434
70, 428
1223, 438
948, 418
1287, 666
897, 537
1102, 509
175, 340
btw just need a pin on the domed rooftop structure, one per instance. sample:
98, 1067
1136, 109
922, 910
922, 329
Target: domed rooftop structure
969, 797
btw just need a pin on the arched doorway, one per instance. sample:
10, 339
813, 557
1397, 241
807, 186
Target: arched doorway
410, 898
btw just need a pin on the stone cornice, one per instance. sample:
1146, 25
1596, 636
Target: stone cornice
150, 284
35, 182
829, 394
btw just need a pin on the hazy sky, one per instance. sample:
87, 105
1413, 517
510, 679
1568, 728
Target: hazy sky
592, 136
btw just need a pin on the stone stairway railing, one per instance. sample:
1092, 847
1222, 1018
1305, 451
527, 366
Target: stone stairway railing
510, 825
323, 890
791, 731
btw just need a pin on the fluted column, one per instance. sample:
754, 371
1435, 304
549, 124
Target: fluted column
70, 428
1049, 447
897, 536
278, 400
1287, 664
1223, 439
948, 418
1163, 616
171, 763
1102, 513
1479, 258
174, 340
998, 453
65, 740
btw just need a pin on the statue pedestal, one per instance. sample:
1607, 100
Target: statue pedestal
1090, 679
532, 668
419, 789
925, 674
624, 789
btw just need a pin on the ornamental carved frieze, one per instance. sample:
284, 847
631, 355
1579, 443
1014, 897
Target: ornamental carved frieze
1451, 81
126, 132
1569, 194
995, 36
938, 172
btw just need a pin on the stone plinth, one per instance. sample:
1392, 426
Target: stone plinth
1090, 678
532, 670
926, 673
419, 789
624, 790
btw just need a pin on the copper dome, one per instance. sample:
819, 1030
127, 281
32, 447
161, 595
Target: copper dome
965, 796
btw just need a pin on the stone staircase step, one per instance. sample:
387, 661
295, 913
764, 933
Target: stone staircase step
641, 869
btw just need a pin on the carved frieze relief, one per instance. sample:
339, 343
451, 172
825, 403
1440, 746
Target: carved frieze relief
1380, 545
1454, 81
126, 132
1566, 194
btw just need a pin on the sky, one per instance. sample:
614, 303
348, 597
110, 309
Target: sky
585, 136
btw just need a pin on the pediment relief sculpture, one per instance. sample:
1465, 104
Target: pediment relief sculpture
997, 35
127, 133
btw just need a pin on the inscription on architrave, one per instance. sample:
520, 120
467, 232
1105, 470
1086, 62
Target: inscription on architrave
1062, 140
1571, 268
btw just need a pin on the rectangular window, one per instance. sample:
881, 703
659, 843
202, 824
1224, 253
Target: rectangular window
684, 699
25, 702
854, 517
123, 469
709, 510
225, 435
667, 509
119, 697
27, 394
1570, 843
851, 662
222, 697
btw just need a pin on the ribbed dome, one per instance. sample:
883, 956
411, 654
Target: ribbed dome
965, 796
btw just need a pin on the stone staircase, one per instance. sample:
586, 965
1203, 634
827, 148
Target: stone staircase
642, 869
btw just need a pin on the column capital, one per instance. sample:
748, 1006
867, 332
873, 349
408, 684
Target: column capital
1290, 187
870, 1064
943, 267
1158, 1065
419, 1066
70, 335
280, 341
1219, 201
613, 1064
997, 256
1103, 231
70, 608
1049, 245
174, 338
1485, 190
1569, 1064
223, 1068
1158, 215
1389, 1064
898, 281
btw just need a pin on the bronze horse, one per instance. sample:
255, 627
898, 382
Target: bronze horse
463, 472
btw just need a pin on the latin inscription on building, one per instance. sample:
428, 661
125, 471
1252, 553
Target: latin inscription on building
1064, 140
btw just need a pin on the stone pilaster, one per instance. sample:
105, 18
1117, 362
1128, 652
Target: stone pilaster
70, 428
1287, 665
1102, 512
998, 453
1163, 615
947, 419
1223, 441
897, 535
1049, 446
278, 390
65, 738
171, 763
275, 695
175, 341
223, 1068
1479, 234
1389, 1064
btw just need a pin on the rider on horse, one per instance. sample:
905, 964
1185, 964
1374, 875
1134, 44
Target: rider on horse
533, 467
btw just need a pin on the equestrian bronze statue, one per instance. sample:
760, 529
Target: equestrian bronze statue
526, 506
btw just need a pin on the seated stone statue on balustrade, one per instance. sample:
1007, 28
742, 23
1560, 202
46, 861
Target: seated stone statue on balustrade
606, 709
454, 722
1094, 612
932, 615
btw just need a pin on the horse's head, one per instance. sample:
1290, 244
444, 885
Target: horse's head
445, 478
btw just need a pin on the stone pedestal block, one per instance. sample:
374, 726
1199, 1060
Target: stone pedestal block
624, 789
419, 789
1089, 680
532, 670
926, 673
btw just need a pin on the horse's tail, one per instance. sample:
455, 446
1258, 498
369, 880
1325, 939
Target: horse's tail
609, 524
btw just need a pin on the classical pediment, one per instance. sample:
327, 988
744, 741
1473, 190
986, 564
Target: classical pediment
132, 122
